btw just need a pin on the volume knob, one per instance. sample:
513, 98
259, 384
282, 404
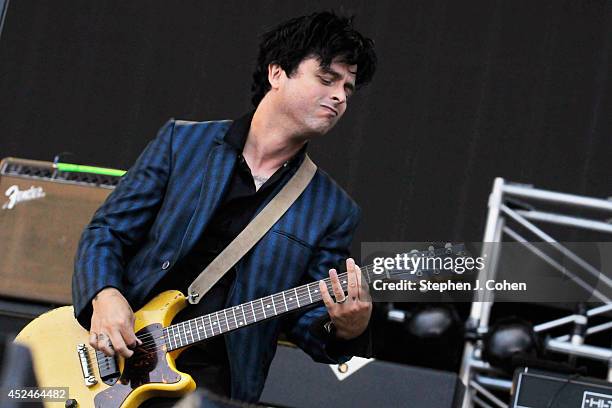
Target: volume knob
71, 403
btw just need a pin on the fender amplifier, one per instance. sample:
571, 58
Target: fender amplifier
42, 213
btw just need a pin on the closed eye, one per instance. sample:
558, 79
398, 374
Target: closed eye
325, 81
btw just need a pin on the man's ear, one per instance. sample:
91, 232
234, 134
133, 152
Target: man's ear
275, 75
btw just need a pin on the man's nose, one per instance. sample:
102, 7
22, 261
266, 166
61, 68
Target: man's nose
339, 96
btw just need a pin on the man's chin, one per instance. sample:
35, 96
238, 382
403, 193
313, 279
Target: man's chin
324, 126
316, 127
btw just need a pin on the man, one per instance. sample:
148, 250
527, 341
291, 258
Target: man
198, 184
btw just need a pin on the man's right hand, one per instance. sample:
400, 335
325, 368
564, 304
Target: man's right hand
112, 324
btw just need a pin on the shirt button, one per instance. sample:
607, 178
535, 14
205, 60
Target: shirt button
165, 265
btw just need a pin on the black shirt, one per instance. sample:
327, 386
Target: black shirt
237, 207
239, 204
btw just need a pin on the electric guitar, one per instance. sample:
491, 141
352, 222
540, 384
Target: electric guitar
63, 358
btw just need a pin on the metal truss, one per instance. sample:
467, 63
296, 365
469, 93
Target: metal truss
479, 377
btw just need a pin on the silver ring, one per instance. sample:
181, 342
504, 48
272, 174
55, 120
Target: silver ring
341, 301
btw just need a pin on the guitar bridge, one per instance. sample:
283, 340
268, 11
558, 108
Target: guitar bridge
88, 375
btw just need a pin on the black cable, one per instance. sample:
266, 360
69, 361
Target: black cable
556, 395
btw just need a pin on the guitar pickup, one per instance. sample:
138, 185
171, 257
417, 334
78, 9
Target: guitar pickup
85, 361
109, 370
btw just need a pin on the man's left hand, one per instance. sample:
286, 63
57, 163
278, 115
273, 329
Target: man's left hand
350, 313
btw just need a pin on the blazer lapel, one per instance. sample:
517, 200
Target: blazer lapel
216, 175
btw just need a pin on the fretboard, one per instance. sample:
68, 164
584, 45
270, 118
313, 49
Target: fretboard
192, 331
214, 324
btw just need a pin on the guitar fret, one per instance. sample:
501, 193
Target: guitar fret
202, 328
184, 339
169, 335
167, 338
310, 289
180, 336
226, 319
191, 332
171, 338
184, 334
243, 315
177, 336
297, 298
195, 321
218, 323
212, 328
234, 313
262, 307
290, 299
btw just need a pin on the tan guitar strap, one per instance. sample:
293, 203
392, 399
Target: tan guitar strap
253, 232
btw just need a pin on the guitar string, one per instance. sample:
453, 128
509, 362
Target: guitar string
257, 311
157, 335
153, 340
160, 333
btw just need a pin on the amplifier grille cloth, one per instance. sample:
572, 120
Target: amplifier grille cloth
42, 215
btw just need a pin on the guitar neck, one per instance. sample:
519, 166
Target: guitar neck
192, 331
204, 327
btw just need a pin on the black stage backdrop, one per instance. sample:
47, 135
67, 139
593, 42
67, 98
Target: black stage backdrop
465, 92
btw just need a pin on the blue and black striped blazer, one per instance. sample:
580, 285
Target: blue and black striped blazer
161, 206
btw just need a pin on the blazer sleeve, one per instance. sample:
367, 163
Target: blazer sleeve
121, 224
301, 329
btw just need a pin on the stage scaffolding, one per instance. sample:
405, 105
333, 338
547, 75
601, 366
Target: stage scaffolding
479, 377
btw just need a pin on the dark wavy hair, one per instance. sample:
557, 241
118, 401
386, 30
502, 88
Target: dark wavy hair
323, 35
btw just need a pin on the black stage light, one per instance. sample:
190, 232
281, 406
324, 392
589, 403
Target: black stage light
433, 321
507, 338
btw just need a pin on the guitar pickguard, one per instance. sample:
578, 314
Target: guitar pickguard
148, 365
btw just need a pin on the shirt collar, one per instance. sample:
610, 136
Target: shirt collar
236, 137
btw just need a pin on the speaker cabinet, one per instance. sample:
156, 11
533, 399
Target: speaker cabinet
296, 381
42, 214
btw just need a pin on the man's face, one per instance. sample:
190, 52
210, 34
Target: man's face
314, 98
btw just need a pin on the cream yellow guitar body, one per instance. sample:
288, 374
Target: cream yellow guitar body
63, 358
54, 339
